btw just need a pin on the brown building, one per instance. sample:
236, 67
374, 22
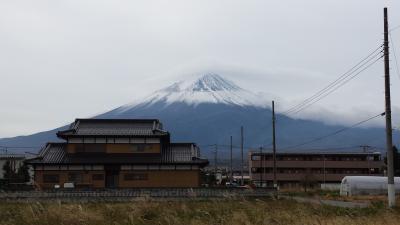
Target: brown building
117, 153
295, 168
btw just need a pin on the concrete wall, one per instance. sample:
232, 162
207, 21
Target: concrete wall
331, 187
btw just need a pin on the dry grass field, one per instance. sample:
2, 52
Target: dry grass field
223, 211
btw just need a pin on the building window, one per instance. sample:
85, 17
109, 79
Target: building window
145, 148
140, 147
98, 177
75, 177
51, 178
90, 148
135, 176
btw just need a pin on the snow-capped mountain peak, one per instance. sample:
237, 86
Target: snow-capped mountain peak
208, 88
214, 82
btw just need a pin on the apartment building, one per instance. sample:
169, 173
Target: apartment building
295, 168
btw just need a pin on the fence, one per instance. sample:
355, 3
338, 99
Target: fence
131, 194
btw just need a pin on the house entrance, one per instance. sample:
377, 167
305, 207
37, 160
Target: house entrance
112, 176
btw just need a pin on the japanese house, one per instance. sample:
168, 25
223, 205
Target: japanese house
294, 168
117, 153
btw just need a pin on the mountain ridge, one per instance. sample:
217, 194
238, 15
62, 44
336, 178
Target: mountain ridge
211, 109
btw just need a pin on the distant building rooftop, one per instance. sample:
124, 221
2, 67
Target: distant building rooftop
11, 156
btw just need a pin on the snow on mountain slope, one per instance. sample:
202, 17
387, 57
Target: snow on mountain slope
209, 88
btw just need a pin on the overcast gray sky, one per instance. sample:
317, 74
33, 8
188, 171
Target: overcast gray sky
65, 59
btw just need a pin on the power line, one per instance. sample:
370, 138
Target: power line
394, 54
339, 80
334, 133
334, 89
394, 28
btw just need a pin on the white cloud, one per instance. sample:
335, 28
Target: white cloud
65, 59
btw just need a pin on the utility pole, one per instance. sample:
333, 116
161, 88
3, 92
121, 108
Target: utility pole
231, 178
324, 169
262, 168
241, 152
215, 159
388, 113
274, 143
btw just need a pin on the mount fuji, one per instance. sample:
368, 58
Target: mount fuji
210, 109
209, 88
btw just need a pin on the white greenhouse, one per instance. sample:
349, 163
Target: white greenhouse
366, 185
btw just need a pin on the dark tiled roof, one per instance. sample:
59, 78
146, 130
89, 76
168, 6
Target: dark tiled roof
55, 153
114, 127
178, 152
52, 153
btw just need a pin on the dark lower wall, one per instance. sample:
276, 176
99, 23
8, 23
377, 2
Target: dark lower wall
125, 179
87, 179
171, 178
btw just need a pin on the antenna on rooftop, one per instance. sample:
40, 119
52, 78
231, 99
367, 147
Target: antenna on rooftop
365, 148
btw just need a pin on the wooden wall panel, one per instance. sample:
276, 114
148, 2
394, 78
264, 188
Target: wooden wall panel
134, 148
63, 178
162, 179
167, 178
154, 148
70, 148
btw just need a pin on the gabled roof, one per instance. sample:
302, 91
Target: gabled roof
114, 127
55, 154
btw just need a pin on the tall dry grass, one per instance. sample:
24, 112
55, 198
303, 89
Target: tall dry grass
223, 211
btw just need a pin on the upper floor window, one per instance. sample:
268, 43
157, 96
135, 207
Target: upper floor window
145, 148
136, 176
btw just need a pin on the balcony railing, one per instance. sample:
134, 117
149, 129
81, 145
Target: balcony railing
301, 176
318, 164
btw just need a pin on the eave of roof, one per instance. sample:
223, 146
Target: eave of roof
183, 143
55, 154
202, 162
116, 120
60, 135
